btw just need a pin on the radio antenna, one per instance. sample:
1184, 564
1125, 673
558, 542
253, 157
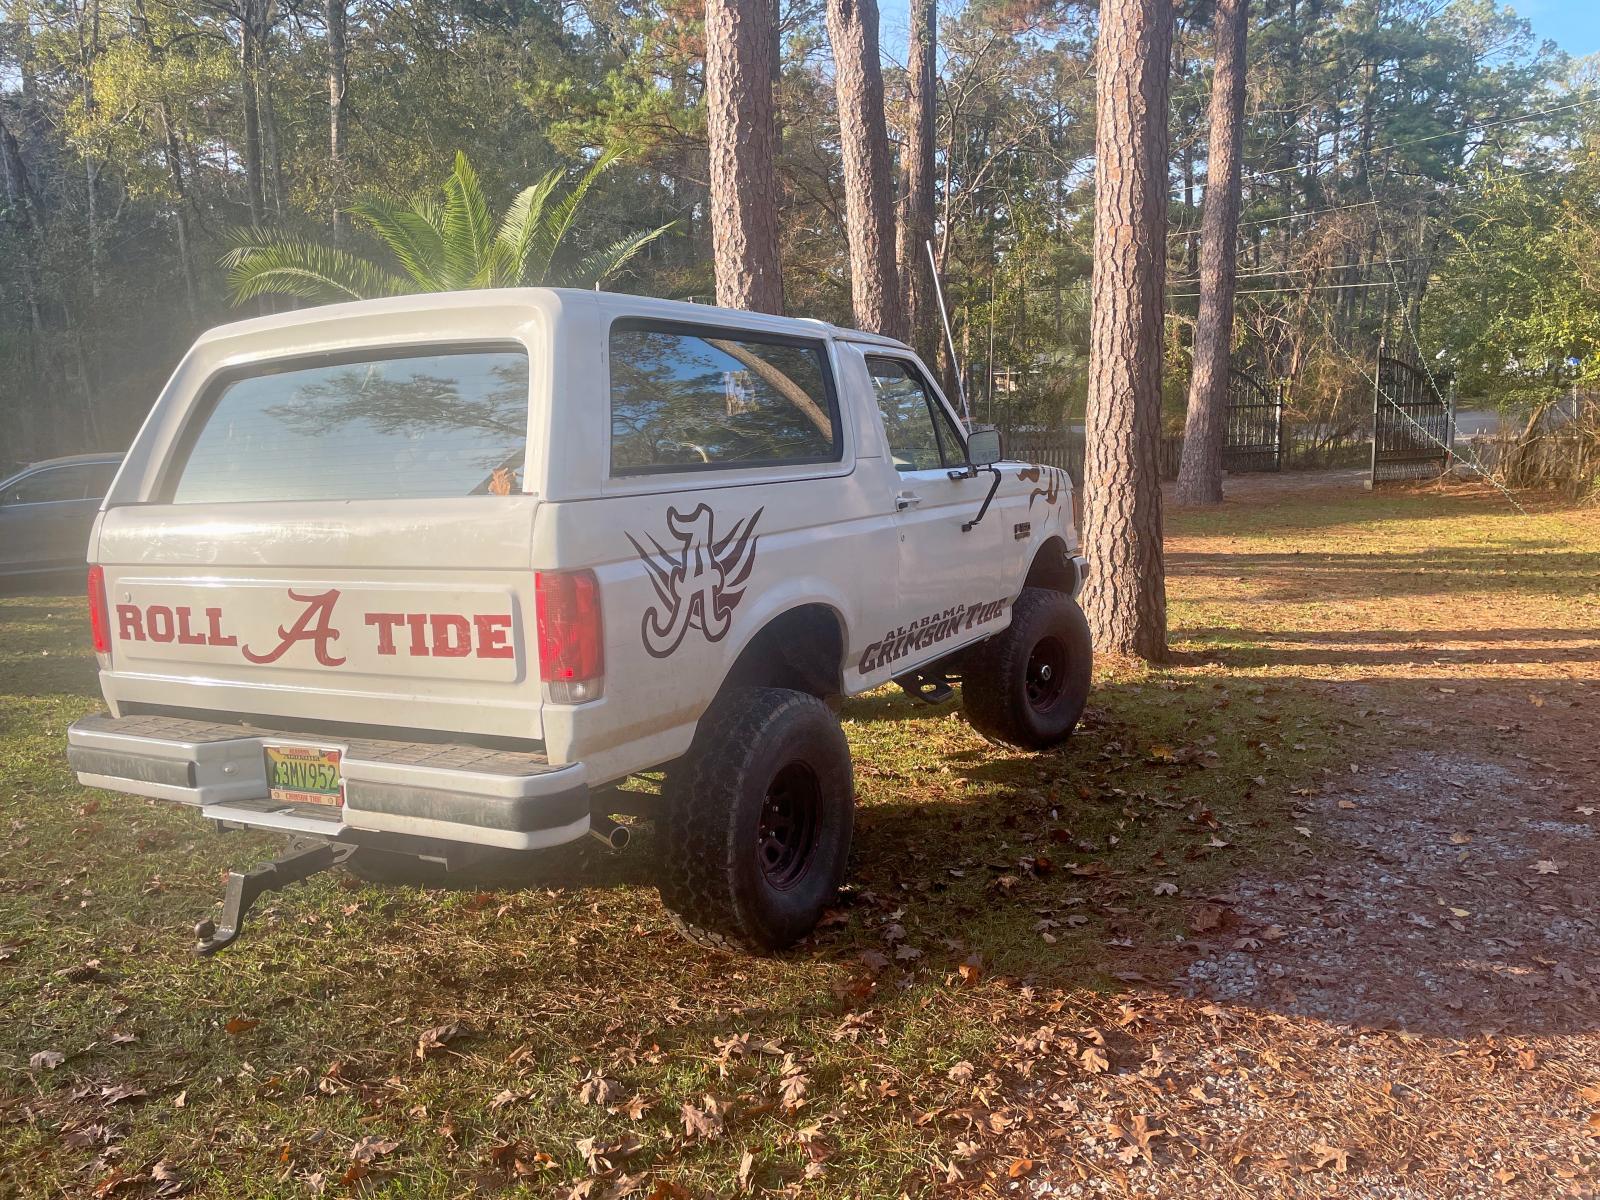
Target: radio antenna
949, 339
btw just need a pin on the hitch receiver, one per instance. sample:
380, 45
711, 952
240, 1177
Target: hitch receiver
245, 888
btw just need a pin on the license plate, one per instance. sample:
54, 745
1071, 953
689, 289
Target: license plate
305, 775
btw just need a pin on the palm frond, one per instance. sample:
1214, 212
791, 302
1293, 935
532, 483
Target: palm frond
265, 262
411, 236
596, 267
554, 227
467, 227
430, 210
519, 230
439, 246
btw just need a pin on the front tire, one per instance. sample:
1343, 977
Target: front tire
758, 821
1027, 685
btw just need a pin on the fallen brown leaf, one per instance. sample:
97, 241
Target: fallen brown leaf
371, 1148
701, 1123
1335, 1156
595, 1088
433, 1040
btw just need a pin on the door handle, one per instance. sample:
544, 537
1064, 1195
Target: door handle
905, 500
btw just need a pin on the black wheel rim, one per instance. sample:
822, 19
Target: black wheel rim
1047, 674
786, 838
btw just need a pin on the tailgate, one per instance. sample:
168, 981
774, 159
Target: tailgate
404, 614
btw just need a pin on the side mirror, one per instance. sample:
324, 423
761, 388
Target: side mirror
983, 447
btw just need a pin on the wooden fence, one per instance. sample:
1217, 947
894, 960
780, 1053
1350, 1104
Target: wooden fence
1565, 460
1064, 449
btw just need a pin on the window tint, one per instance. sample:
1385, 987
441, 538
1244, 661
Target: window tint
418, 427
921, 435
697, 400
43, 487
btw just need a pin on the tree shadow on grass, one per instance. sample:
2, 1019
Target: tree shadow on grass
66, 582
892, 705
1276, 576
1251, 648
1049, 868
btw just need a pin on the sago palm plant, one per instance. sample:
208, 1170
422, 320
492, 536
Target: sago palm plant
436, 247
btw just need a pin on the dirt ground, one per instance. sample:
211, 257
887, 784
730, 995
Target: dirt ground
1426, 1000
1418, 982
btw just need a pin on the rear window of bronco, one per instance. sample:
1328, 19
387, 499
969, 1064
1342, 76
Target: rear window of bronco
400, 426
693, 398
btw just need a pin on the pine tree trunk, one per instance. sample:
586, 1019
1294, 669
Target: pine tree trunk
180, 191
88, 53
335, 15
1126, 597
742, 135
864, 145
916, 194
1200, 476
249, 81
275, 189
25, 213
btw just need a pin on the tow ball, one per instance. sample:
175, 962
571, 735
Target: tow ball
245, 888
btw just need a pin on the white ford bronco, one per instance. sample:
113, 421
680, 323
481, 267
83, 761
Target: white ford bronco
424, 582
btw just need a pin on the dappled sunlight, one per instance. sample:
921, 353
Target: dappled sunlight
1247, 928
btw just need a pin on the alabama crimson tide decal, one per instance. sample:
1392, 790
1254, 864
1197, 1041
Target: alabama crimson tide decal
700, 582
362, 630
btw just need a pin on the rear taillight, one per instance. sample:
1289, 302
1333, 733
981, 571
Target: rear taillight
99, 612
571, 637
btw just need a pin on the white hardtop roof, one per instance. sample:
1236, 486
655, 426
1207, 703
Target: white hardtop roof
547, 299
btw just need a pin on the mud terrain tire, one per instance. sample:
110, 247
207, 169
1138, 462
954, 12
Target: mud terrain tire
758, 821
1027, 686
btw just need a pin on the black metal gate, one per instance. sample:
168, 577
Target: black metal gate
1254, 440
1411, 422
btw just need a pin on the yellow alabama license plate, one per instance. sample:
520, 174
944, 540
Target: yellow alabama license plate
305, 775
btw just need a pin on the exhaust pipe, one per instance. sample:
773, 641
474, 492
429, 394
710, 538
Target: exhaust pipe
604, 829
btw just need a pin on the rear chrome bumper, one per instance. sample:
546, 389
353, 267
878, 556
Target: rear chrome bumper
456, 793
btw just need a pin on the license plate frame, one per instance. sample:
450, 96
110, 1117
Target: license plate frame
313, 785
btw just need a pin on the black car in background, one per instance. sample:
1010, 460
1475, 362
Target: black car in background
46, 510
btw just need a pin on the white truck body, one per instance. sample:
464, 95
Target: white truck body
335, 605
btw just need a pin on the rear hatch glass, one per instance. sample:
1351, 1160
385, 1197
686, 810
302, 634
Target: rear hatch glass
408, 426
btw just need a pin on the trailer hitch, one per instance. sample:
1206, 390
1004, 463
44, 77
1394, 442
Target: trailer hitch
245, 888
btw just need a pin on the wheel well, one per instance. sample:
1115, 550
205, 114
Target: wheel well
802, 649
1052, 568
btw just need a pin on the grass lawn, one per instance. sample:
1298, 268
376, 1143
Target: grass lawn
585, 1048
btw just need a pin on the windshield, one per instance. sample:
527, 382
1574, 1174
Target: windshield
421, 426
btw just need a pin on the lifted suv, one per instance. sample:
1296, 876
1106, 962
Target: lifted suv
421, 581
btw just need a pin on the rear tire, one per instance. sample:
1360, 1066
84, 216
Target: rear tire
758, 823
1027, 685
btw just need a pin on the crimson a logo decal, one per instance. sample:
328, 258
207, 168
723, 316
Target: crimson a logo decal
699, 582
431, 634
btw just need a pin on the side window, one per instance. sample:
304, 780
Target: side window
59, 483
689, 398
921, 434
98, 481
